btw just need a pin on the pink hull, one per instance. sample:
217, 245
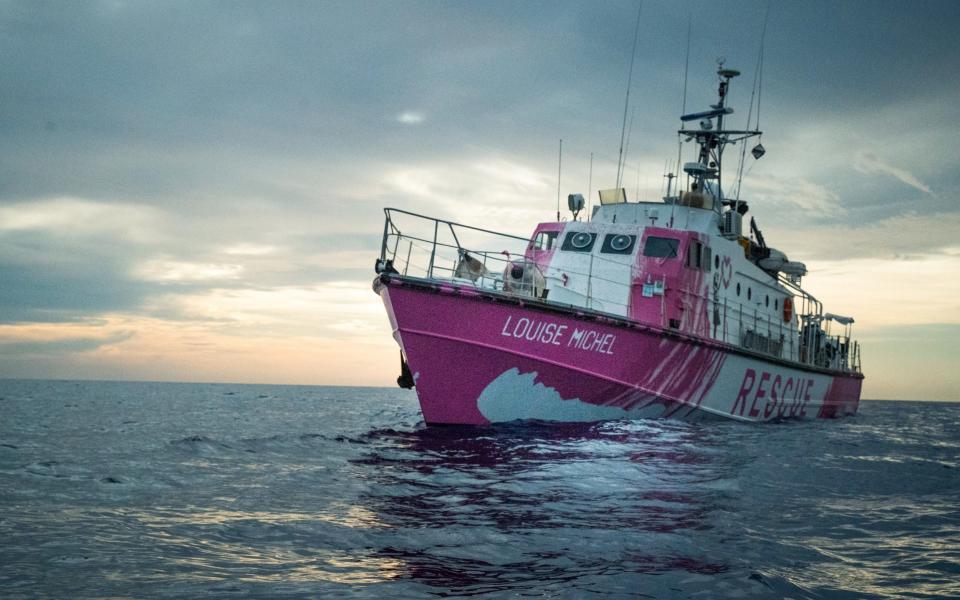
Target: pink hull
483, 358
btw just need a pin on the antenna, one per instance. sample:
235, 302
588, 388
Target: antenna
638, 181
559, 167
763, 38
590, 188
757, 89
686, 63
626, 103
626, 147
686, 71
662, 183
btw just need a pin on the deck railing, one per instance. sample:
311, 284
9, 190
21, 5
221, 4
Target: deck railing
429, 248
424, 247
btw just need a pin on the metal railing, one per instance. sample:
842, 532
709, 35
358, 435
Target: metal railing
430, 248
424, 247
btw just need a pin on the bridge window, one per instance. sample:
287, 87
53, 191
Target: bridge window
693, 254
579, 241
618, 243
659, 247
544, 240
698, 256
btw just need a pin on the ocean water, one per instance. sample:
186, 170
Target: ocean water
111, 490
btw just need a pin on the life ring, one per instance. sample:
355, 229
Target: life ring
787, 310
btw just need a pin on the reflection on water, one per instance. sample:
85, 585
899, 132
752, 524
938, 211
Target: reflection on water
545, 504
338, 513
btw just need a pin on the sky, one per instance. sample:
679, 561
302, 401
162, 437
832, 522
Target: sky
193, 191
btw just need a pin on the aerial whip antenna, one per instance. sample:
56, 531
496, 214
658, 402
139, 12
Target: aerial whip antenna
664, 182
626, 104
686, 63
590, 187
757, 91
626, 146
559, 166
683, 111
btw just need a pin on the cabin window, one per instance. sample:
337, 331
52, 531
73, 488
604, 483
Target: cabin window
775, 304
766, 300
693, 254
698, 256
738, 289
716, 262
579, 241
618, 243
749, 293
544, 240
658, 247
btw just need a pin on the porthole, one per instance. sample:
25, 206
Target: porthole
581, 240
619, 243
578, 241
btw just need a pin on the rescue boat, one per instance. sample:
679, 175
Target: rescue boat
671, 309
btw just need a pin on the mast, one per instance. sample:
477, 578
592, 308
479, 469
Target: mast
712, 141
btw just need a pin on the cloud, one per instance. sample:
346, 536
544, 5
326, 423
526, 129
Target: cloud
321, 310
886, 293
775, 191
869, 164
485, 190
410, 118
80, 217
895, 237
249, 250
178, 271
166, 350
17, 345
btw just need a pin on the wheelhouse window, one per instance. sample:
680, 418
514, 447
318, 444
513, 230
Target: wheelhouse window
579, 241
618, 243
544, 240
661, 247
699, 256
693, 254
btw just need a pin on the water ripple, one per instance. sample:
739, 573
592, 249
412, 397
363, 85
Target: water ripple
177, 490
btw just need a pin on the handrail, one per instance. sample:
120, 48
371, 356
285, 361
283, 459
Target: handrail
413, 214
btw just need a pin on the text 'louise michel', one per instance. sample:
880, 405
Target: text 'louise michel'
557, 335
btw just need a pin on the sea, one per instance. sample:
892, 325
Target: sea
170, 490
